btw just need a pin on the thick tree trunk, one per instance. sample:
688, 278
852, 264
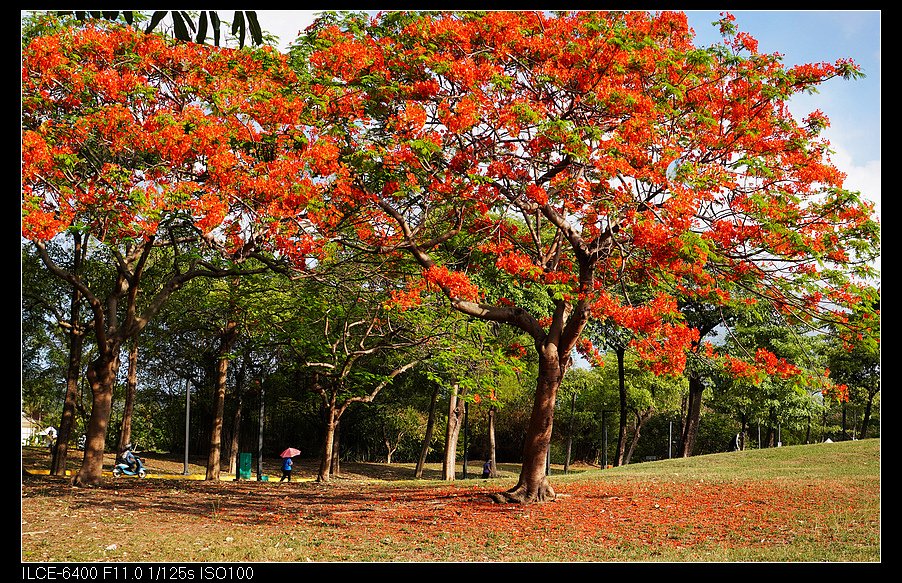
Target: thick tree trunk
624, 412
131, 389
693, 415
533, 485
329, 427
427, 440
455, 415
228, 337
101, 375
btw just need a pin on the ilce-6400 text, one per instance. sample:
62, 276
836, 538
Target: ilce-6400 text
136, 573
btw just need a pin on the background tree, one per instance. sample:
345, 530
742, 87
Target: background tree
346, 341
855, 363
126, 140
40, 309
706, 318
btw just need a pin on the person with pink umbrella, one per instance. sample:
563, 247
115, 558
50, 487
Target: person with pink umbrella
287, 462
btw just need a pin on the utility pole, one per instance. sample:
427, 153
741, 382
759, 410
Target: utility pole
187, 422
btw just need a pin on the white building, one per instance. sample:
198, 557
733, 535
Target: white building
30, 429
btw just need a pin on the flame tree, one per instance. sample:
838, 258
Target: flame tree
139, 142
573, 154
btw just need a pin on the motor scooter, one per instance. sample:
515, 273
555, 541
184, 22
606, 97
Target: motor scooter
122, 469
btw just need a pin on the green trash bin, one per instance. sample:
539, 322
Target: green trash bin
244, 466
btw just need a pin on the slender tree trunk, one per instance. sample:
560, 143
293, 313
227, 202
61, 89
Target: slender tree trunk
261, 428
493, 471
769, 437
570, 434
624, 412
227, 338
67, 422
533, 485
76, 344
427, 440
693, 415
866, 420
131, 389
641, 419
390, 449
742, 431
455, 416
236, 433
335, 465
845, 434
101, 375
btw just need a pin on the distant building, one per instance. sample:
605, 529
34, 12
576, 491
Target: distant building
30, 429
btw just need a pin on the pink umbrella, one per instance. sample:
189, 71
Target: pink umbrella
290, 452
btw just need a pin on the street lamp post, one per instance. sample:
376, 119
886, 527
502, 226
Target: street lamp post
604, 439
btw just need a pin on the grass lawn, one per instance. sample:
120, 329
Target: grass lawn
810, 503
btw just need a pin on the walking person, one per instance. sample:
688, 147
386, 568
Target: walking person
287, 462
286, 469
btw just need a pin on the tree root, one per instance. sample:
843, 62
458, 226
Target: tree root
521, 494
79, 482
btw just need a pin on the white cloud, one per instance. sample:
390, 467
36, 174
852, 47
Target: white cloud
285, 24
865, 178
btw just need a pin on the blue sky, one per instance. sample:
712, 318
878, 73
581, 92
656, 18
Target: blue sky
801, 36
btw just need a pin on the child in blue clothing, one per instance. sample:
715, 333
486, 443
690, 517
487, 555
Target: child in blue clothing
286, 469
